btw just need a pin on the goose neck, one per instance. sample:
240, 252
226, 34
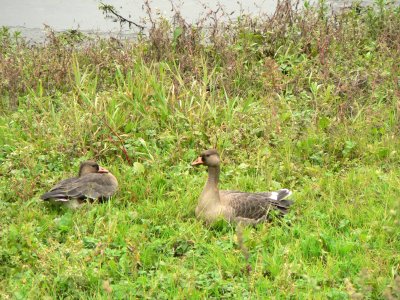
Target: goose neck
213, 176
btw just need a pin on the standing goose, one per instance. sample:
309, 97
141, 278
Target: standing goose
235, 206
93, 183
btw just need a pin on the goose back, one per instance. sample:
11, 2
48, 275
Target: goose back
92, 186
96, 184
256, 205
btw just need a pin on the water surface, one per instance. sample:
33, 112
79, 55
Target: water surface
30, 16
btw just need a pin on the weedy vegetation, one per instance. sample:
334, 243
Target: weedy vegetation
306, 99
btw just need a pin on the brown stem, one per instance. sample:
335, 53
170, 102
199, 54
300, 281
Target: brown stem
119, 138
109, 9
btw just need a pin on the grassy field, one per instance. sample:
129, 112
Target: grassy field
305, 100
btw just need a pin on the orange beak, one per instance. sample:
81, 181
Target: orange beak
102, 170
198, 161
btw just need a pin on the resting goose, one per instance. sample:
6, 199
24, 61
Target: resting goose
93, 183
235, 206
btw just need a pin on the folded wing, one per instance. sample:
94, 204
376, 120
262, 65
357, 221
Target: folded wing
257, 205
91, 186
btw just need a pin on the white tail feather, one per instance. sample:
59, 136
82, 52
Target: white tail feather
274, 196
283, 193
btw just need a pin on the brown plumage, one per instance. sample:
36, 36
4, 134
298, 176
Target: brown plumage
93, 183
235, 206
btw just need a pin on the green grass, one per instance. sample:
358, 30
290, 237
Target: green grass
316, 112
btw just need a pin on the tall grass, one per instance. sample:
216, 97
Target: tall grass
304, 99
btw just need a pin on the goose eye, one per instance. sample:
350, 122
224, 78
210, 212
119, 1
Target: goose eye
208, 155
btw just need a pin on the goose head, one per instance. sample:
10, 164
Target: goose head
209, 158
90, 166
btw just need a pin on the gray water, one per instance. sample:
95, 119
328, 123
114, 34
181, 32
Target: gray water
29, 16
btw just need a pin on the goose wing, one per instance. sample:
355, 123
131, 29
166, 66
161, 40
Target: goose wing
93, 186
257, 205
